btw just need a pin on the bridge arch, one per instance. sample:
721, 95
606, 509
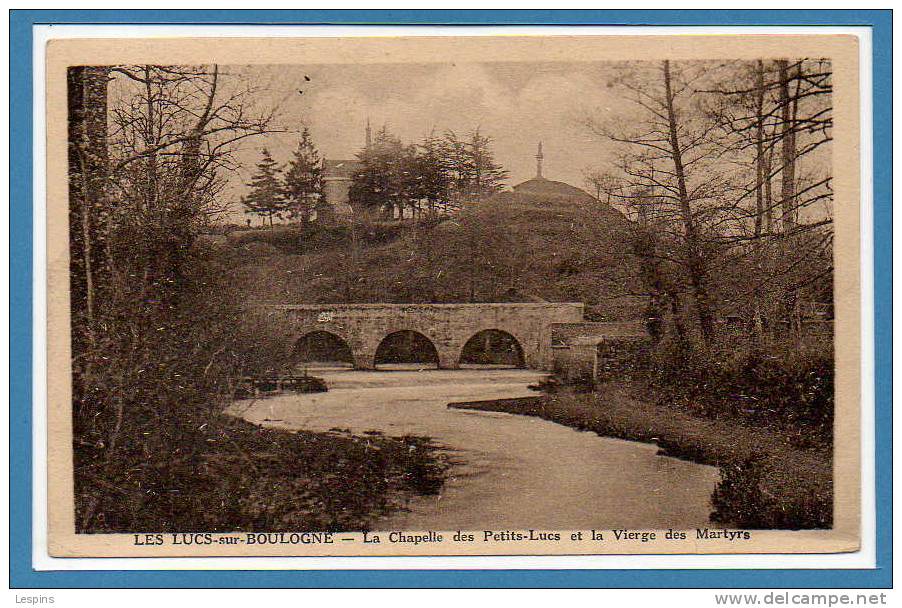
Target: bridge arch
322, 347
493, 346
448, 326
406, 346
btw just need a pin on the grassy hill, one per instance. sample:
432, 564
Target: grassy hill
517, 246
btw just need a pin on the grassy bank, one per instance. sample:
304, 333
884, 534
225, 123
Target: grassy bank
433, 261
766, 482
245, 478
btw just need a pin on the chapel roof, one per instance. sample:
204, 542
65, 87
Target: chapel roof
341, 169
539, 186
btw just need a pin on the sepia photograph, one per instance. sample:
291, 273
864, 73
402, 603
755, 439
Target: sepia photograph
462, 296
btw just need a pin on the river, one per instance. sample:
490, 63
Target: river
510, 472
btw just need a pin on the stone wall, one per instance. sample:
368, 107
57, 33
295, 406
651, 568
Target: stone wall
587, 352
448, 326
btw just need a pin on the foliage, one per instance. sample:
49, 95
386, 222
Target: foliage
577, 253
303, 180
785, 386
436, 175
313, 238
433, 178
386, 181
476, 175
267, 197
756, 492
229, 475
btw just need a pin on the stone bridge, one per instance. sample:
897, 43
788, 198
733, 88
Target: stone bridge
447, 326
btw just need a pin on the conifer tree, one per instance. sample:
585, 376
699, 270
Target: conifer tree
382, 181
472, 167
267, 196
433, 173
487, 175
304, 179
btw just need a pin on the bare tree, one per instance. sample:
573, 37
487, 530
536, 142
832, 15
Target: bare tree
174, 131
778, 111
147, 146
705, 142
602, 183
667, 154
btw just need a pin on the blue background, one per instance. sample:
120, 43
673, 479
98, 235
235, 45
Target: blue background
21, 138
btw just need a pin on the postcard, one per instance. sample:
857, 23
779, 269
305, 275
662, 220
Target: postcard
453, 295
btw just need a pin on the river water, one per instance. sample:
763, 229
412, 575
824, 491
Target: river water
510, 472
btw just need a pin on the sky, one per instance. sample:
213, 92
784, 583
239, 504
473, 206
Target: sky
517, 104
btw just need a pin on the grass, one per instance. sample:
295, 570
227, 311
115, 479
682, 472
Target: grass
575, 256
766, 481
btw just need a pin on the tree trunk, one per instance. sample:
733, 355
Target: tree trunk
695, 263
762, 174
351, 272
788, 145
88, 167
769, 193
89, 219
150, 140
759, 149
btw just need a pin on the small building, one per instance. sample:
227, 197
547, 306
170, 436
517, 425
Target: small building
338, 175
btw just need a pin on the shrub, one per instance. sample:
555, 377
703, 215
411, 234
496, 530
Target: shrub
310, 238
790, 388
229, 475
750, 495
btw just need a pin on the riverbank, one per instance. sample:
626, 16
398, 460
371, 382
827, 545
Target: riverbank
508, 472
766, 482
248, 478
